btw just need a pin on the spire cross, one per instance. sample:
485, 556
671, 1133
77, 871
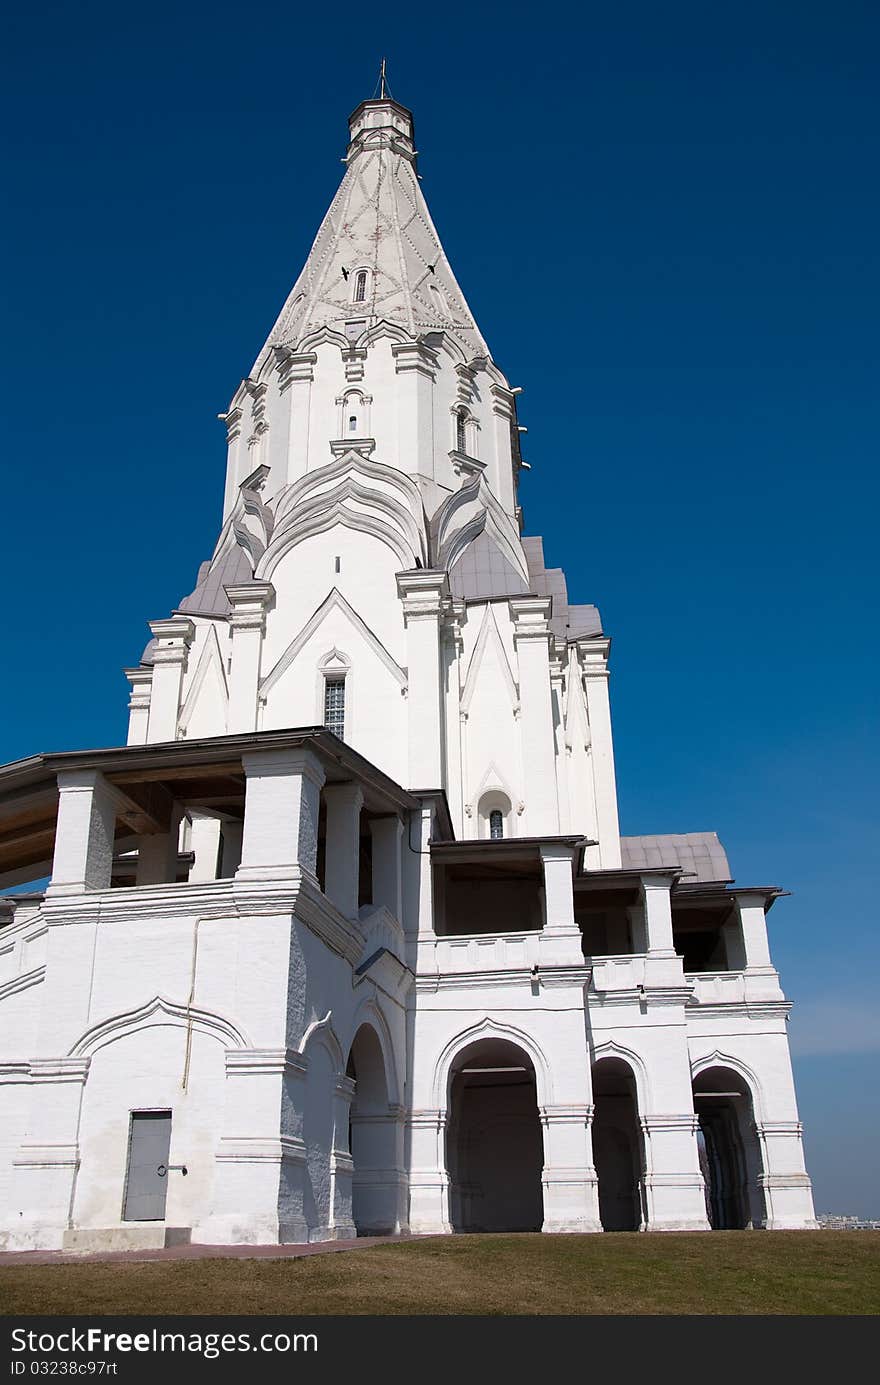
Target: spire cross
382, 81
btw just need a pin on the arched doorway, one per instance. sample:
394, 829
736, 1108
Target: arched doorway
617, 1145
729, 1153
495, 1148
373, 1140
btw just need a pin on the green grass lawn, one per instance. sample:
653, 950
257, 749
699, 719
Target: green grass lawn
729, 1272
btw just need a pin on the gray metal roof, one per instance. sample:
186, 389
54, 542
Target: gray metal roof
567, 622
483, 571
229, 569
700, 854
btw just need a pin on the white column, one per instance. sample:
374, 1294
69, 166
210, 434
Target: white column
296, 372
415, 365
451, 647
205, 843
83, 857
44, 1165
658, 912
675, 1198
341, 1226
561, 745
249, 603
750, 909
428, 1178
260, 1163
593, 656
571, 1188
422, 593
788, 1192
157, 856
560, 940
282, 800
532, 640
174, 639
387, 835
502, 417
141, 680
342, 861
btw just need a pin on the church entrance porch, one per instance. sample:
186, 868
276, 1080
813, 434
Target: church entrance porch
617, 1146
730, 1156
494, 1144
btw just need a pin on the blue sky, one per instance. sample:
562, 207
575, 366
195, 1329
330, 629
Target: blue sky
666, 220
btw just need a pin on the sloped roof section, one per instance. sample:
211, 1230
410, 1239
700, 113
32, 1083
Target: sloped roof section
483, 571
567, 622
228, 569
700, 854
378, 222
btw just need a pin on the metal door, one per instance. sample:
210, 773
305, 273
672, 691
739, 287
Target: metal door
148, 1146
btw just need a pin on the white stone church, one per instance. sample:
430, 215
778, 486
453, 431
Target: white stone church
346, 940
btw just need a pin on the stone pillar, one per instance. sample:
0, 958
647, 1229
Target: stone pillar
593, 655
379, 1187
422, 593
532, 640
750, 908
571, 1188
658, 912
45, 1164
157, 857
282, 800
141, 680
560, 940
205, 844
451, 649
174, 639
502, 417
342, 868
341, 1226
83, 857
415, 366
675, 1195
296, 372
260, 1164
788, 1192
561, 746
249, 603
428, 1178
387, 835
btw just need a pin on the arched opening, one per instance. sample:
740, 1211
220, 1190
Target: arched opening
730, 1156
617, 1145
495, 1149
360, 286
373, 1140
493, 815
461, 431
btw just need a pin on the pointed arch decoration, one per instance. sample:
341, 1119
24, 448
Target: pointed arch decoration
611, 1049
159, 1012
322, 1032
488, 1028
334, 602
489, 635
717, 1059
370, 1013
210, 659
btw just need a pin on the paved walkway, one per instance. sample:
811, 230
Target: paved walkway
10, 1258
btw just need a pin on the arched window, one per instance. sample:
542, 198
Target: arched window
360, 286
352, 423
496, 824
334, 706
494, 817
461, 431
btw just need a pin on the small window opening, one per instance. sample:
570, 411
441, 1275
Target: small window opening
334, 706
496, 824
460, 433
360, 286
352, 423
338, 563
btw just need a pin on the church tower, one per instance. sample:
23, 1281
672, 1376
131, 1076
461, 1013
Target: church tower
346, 940
371, 574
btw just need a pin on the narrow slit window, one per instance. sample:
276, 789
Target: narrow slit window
496, 824
352, 423
360, 286
334, 706
460, 433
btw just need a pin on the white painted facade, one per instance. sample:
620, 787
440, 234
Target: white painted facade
412, 980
